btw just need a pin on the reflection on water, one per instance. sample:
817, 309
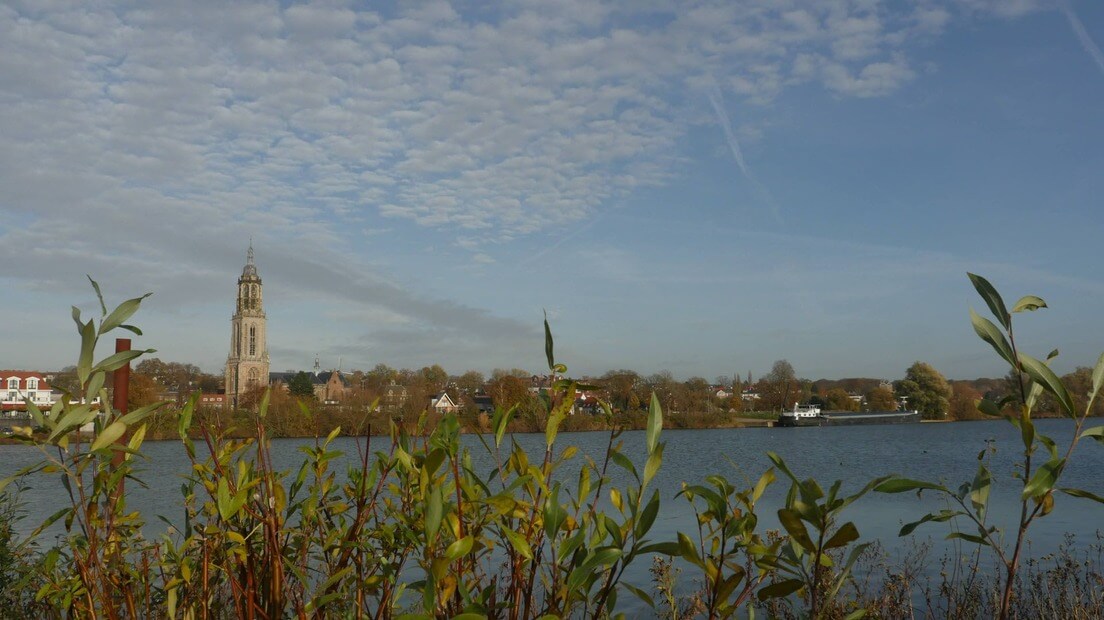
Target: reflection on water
941, 452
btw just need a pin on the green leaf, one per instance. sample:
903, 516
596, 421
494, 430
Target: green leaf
1028, 303
979, 489
77, 319
1044, 478
502, 418
777, 460
624, 463
435, 512
780, 589
989, 333
937, 517
1076, 493
688, 550
459, 548
99, 295
764, 481
987, 407
109, 435
655, 459
1050, 445
1096, 432
900, 485
992, 298
1097, 378
1042, 374
663, 548
88, 347
655, 423
974, 538
647, 516
554, 513
847, 534
548, 344
95, 384
222, 498
118, 360
642, 595
518, 542
606, 556
796, 528
121, 313
1027, 428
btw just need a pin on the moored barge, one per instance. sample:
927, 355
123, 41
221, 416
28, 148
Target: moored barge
811, 415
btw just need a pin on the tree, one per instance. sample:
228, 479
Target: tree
507, 391
435, 377
666, 389
66, 380
178, 378
470, 382
520, 373
699, 396
379, 376
779, 388
927, 391
142, 391
963, 403
1079, 384
301, 385
838, 399
881, 399
622, 389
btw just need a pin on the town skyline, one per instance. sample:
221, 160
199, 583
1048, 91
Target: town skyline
700, 188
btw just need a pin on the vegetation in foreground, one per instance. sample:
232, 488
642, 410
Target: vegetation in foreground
416, 531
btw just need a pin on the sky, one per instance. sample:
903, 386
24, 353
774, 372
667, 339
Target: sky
702, 187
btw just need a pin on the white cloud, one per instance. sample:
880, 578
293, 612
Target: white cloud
146, 140
874, 80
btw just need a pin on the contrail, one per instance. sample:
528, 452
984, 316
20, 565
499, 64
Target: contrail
544, 251
1082, 35
737, 153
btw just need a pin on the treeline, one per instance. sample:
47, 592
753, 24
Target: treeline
383, 393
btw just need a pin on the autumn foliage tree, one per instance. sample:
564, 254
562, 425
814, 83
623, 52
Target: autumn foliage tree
926, 389
839, 400
881, 399
963, 403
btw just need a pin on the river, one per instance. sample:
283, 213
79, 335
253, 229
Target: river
937, 452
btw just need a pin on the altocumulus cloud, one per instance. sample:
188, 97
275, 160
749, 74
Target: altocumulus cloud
148, 139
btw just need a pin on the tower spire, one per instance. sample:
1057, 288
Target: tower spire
249, 254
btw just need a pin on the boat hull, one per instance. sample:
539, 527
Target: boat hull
847, 418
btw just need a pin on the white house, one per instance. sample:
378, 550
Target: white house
18, 386
442, 403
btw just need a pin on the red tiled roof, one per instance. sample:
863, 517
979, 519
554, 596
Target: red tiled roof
23, 375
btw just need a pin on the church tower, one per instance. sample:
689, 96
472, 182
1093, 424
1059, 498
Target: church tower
247, 364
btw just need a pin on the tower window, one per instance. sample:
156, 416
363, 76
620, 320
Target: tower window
252, 340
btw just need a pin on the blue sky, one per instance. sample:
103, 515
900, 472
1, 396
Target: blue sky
702, 187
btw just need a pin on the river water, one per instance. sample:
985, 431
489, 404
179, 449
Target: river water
855, 454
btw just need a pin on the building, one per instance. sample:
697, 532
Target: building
330, 386
247, 363
442, 403
20, 386
212, 399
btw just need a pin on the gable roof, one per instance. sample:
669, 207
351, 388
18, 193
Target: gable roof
23, 375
